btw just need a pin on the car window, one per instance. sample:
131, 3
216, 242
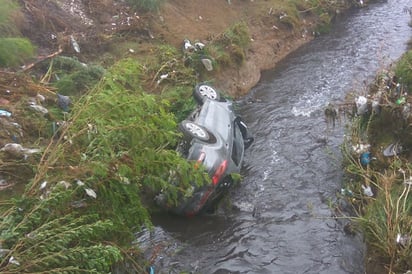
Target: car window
237, 148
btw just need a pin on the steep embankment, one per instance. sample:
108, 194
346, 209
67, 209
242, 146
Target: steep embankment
276, 28
271, 39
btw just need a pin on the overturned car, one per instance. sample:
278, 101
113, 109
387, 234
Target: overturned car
216, 138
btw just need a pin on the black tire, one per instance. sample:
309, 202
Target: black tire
204, 91
193, 130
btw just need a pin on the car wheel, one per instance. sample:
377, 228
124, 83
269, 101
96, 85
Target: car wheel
203, 92
194, 130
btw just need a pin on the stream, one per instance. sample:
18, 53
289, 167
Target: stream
279, 219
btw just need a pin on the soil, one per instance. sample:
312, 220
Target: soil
96, 25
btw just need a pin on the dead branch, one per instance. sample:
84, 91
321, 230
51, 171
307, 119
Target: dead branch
41, 59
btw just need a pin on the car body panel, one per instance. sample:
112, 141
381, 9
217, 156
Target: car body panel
221, 155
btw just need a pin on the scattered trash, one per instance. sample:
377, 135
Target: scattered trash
365, 158
187, 46
207, 63
4, 113
361, 105
18, 150
367, 191
63, 102
402, 240
90, 192
75, 45
39, 108
360, 148
401, 101
346, 192
64, 184
199, 46
162, 77
12, 260
43, 185
393, 149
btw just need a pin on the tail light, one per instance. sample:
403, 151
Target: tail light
219, 172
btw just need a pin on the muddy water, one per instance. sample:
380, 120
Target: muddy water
279, 221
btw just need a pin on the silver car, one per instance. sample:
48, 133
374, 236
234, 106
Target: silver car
216, 138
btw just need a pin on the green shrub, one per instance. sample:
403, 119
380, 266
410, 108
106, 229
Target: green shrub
167, 60
404, 69
146, 5
220, 55
74, 78
230, 48
89, 192
238, 34
14, 51
181, 101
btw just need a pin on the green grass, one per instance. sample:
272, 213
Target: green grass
9, 10
15, 51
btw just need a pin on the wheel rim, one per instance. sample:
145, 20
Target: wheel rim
196, 130
208, 92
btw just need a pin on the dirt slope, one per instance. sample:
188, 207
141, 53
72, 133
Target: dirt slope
93, 24
201, 20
